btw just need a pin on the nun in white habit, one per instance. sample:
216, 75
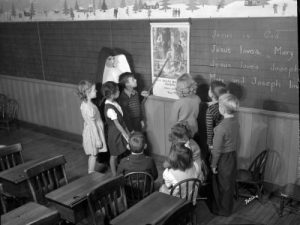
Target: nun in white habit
114, 67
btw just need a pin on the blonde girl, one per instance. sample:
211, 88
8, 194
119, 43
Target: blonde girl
186, 108
93, 131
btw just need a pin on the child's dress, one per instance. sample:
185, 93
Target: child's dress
116, 141
93, 131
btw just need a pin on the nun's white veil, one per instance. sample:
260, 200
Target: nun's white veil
112, 73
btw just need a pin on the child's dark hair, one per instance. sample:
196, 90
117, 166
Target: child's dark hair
180, 157
123, 78
218, 88
180, 130
84, 86
109, 88
137, 142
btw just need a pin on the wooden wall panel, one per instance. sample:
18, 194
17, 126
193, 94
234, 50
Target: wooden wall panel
259, 130
44, 103
155, 114
55, 105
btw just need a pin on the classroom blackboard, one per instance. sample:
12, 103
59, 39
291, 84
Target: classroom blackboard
256, 57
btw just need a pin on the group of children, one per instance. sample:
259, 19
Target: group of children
124, 124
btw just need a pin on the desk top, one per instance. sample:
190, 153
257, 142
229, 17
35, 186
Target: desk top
16, 174
151, 210
291, 191
29, 213
75, 192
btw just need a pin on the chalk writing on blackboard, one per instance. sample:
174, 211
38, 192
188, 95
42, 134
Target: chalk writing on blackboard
217, 34
245, 51
278, 50
218, 49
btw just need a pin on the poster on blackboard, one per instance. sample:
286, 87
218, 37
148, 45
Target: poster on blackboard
169, 56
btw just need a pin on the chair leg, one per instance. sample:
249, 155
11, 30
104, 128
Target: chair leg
259, 192
236, 190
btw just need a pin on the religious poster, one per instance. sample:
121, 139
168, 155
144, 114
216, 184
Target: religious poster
169, 56
78, 10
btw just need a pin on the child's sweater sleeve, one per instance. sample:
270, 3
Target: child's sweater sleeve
209, 127
218, 143
168, 178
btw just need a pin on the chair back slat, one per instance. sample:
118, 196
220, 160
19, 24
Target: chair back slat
11, 156
257, 167
46, 176
12, 107
13, 160
109, 200
138, 185
51, 181
187, 189
3, 205
2, 166
7, 161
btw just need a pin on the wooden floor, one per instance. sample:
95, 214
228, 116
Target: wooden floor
37, 144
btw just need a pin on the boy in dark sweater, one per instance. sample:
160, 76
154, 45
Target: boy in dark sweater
223, 164
137, 161
130, 102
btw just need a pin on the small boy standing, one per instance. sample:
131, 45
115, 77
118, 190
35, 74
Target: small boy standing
130, 102
223, 164
137, 161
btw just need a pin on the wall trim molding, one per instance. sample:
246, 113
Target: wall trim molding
31, 80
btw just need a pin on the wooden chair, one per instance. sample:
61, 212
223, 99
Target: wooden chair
9, 114
138, 185
107, 201
2, 202
10, 156
187, 189
184, 215
251, 180
3, 100
46, 176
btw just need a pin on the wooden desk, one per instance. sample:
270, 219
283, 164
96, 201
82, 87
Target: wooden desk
71, 201
289, 192
151, 210
14, 179
30, 213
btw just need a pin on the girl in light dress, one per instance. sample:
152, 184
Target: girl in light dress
93, 131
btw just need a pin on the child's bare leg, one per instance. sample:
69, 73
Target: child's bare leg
113, 165
92, 163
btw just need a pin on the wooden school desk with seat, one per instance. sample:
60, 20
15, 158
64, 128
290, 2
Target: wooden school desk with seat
71, 199
14, 179
30, 213
151, 210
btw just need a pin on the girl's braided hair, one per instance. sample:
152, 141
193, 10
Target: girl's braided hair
83, 89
